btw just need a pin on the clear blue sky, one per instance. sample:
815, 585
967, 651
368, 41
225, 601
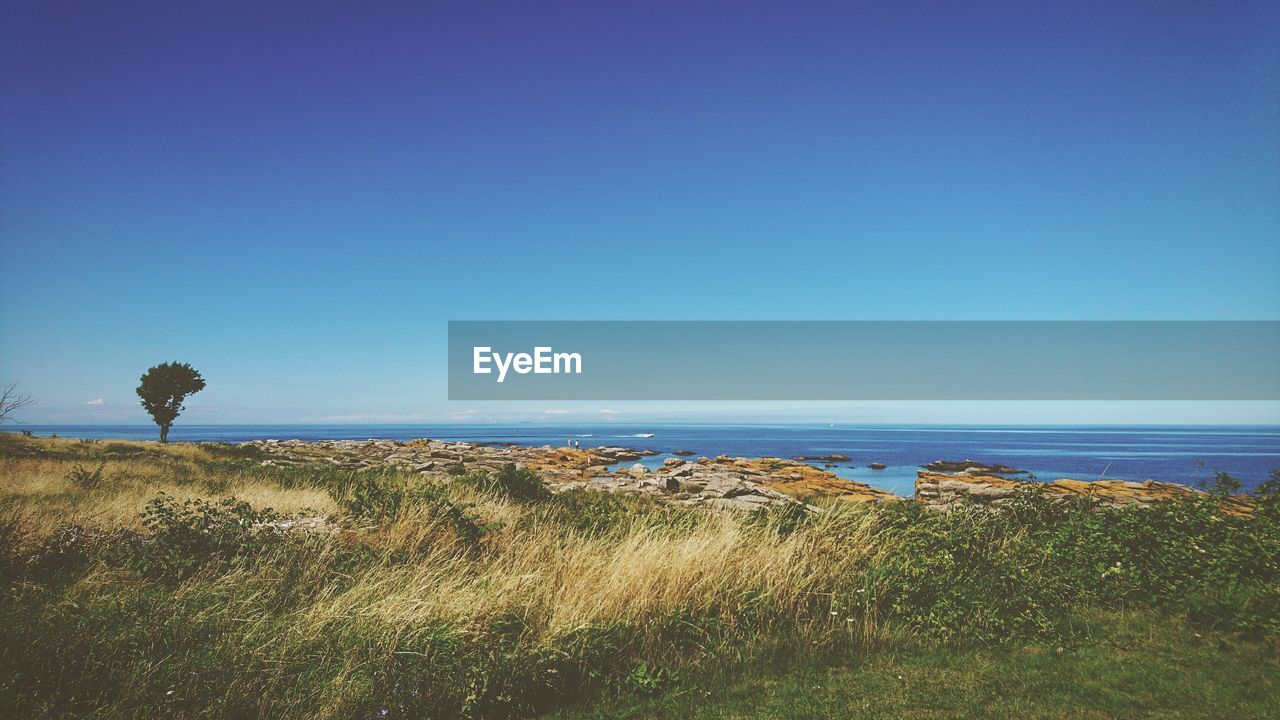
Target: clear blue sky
297, 199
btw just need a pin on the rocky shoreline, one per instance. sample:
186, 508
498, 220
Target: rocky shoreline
732, 483
721, 482
943, 491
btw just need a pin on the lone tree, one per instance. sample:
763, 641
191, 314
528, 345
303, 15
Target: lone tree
163, 389
13, 400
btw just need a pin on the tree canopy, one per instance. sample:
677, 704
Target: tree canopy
164, 388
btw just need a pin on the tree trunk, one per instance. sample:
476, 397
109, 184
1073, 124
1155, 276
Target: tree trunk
164, 433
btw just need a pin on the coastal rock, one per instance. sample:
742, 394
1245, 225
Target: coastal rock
943, 491
832, 458
973, 467
732, 483
799, 479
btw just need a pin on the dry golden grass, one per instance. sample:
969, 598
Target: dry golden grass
555, 581
558, 583
40, 490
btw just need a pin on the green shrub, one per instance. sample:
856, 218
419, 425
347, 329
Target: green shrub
1221, 485
1267, 496
466, 524
509, 482
84, 478
1018, 569
591, 512
595, 513
781, 518
382, 496
968, 574
645, 680
185, 537
233, 451
1164, 553
373, 495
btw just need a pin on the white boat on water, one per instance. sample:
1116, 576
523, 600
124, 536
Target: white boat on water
644, 434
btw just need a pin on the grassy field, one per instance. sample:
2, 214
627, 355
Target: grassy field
142, 580
1131, 665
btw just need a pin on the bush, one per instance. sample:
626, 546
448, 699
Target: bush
185, 537
1267, 496
460, 517
968, 574
781, 518
84, 478
1221, 485
1019, 569
372, 495
645, 680
591, 512
595, 513
510, 482
382, 497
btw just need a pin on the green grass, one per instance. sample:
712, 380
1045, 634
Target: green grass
1132, 665
133, 586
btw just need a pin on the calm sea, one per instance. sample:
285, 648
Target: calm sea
1184, 454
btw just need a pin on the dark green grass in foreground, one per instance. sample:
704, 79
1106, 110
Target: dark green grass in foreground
1132, 665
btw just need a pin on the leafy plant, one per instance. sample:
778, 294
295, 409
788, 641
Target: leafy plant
1267, 495
382, 496
84, 478
187, 536
782, 518
644, 679
510, 482
1221, 485
373, 495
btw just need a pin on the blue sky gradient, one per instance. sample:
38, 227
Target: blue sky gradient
296, 200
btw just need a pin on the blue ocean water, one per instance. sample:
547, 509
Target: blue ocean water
1183, 454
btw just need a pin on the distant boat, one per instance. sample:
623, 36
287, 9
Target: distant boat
643, 435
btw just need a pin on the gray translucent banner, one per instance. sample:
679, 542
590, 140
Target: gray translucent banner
856, 360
